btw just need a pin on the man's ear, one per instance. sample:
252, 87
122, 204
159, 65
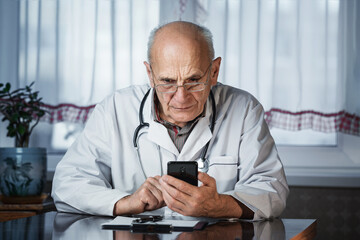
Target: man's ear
215, 68
148, 71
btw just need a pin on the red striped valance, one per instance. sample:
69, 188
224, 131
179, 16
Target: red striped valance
292, 121
66, 113
323, 122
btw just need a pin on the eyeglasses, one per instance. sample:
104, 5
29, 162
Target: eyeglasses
195, 86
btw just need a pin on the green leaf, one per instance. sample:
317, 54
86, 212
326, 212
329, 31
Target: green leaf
14, 117
21, 129
7, 87
11, 131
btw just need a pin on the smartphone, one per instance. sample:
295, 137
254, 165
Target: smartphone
184, 170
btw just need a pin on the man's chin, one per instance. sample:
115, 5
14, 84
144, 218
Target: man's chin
182, 120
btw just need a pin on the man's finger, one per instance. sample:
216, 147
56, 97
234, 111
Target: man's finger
172, 203
157, 194
154, 188
154, 182
179, 184
206, 179
175, 193
147, 197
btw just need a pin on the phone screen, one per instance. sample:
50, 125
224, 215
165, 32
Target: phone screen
184, 170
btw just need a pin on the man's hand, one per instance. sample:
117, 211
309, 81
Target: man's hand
205, 201
148, 197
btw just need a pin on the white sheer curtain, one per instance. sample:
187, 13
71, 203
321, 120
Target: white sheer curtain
293, 55
79, 51
284, 52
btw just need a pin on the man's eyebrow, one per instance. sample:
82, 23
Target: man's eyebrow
194, 75
166, 78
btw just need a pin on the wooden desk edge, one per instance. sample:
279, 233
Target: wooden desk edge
308, 233
47, 205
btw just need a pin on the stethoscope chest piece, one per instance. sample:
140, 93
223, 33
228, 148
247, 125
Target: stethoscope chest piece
203, 165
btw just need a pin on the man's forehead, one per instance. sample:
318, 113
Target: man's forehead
182, 46
174, 70
184, 58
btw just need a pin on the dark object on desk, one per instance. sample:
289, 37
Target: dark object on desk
184, 170
150, 228
138, 225
150, 218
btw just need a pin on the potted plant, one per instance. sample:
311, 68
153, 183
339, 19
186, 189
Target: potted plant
22, 169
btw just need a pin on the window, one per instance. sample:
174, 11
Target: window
289, 54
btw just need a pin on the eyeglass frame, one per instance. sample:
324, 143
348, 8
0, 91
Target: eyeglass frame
185, 84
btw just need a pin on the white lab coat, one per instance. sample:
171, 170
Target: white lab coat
101, 166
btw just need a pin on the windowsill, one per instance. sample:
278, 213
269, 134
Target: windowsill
319, 166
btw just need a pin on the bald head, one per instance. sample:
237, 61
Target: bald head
178, 33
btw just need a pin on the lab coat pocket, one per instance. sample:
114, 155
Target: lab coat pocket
225, 171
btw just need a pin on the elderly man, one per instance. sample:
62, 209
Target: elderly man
104, 174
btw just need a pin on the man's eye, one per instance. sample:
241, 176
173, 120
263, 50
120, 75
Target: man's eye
167, 81
194, 79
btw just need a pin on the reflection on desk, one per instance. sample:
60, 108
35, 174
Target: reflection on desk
54, 225
222, 230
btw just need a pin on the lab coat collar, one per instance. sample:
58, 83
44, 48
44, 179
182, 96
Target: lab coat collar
197, 139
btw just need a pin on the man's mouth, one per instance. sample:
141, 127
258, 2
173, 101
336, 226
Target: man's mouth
182, 108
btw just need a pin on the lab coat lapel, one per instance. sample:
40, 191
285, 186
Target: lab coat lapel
157, 132
198, 138
160, 136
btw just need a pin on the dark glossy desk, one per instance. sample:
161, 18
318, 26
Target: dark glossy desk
15, 211
54, 225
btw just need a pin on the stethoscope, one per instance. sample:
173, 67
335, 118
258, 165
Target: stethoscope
203, 163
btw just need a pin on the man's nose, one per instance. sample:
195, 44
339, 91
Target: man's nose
181, 93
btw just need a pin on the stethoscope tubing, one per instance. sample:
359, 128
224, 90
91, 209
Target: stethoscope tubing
141, 119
